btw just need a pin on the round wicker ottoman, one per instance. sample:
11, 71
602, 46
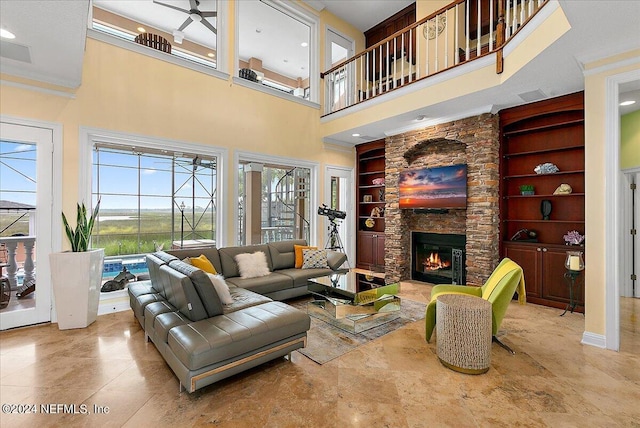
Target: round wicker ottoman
464, 333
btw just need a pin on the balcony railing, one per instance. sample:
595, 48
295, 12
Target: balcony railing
20, 251
460, 32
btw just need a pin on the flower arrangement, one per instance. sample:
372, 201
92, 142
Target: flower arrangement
573, 237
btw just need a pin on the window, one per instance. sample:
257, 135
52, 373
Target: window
284, 201
17, 187
196, 42
277, 46
152, 199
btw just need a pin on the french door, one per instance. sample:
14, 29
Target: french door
26, 192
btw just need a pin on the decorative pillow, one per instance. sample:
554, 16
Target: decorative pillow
221, 288
252, 265
202, 262
187, 260
298, 250
314, 259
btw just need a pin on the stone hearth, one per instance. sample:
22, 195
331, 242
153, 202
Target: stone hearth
473, 141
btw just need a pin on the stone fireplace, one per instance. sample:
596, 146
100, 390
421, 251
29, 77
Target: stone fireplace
473, 141
438, 258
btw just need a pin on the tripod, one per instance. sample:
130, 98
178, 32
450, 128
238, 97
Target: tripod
334, 242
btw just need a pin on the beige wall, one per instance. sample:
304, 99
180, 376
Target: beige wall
595, 172
126, 92
630, 140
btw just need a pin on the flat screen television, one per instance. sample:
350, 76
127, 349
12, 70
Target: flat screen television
443, 187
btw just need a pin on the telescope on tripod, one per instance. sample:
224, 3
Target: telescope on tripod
333, 242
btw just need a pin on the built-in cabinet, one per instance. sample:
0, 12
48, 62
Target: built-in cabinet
550, 131
370, 194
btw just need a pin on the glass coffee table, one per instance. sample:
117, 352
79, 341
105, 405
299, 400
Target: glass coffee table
353, 301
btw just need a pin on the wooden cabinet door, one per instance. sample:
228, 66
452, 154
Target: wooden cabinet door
379, 243
529, 257
554, 284
366, 250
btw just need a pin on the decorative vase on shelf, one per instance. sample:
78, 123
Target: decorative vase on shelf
545, 209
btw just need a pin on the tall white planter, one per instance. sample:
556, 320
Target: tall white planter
76, 278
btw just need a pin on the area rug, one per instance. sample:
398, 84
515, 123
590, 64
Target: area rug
326, 342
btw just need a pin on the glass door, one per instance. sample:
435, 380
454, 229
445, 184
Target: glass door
26, 189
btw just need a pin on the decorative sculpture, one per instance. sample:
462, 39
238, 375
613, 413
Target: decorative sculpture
563, 189
546, 168
119, 282
545, 209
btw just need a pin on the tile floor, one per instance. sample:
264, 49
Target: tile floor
395, 381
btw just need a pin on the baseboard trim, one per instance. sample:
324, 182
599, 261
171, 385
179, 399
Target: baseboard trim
592, 339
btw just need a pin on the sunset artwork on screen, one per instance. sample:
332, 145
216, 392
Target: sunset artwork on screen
439, 188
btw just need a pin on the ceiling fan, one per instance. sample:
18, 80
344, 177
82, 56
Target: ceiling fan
195, 15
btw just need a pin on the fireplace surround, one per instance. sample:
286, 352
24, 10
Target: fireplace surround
473, 141
438, 258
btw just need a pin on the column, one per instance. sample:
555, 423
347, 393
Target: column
253, 203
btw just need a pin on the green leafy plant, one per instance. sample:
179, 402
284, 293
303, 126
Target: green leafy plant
79, 237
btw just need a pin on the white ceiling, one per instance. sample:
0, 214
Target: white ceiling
52, 33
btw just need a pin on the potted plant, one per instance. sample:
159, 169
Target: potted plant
77, 274
527, 189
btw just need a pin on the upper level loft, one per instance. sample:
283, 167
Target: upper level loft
451, 36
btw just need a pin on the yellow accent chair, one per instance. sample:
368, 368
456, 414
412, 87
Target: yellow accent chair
506, 279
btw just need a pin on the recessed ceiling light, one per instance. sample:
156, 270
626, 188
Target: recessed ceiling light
355, 135
301, 68
627, 103
142, 30
421, 118
285, 60
211, 54
304, 44
6, 34
258, 30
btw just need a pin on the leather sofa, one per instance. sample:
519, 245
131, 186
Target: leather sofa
204, 341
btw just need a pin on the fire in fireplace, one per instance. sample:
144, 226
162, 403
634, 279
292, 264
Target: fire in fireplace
438, 258
434, 262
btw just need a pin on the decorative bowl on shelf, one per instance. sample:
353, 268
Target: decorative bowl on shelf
378, 181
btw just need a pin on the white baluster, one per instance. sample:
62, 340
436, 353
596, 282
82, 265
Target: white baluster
12, 267
446, 43
456, 42
479, 31
490, 26
29, 271
467, 20
403, 58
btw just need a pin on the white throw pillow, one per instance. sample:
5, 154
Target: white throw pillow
314, 259
252, 265
221, 288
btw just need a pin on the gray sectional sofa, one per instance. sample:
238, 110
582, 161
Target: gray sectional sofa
204, 341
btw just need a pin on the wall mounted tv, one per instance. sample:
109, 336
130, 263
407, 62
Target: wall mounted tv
436, 188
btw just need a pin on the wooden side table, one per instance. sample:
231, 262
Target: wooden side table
464, 333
